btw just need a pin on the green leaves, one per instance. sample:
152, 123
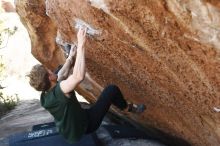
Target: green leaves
5, 33
7, 103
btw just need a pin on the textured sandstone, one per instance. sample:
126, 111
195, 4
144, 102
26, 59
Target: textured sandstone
163, 53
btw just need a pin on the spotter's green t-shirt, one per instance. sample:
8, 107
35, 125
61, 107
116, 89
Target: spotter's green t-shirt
70, 118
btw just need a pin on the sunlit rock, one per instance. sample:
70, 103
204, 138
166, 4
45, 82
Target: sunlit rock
165, 54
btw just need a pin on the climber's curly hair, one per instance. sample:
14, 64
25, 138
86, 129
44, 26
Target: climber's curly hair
39, 78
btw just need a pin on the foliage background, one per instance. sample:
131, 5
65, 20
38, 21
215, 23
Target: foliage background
15, 62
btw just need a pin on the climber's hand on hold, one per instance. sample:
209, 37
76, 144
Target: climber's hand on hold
81, 36
78, 74
72, 51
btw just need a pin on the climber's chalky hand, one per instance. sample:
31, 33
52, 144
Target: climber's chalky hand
81, 36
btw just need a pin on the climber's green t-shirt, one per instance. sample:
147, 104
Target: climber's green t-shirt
70, 118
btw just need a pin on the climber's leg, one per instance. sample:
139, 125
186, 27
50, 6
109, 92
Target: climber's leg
110, 95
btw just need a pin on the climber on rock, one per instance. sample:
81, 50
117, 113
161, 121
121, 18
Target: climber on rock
58, 96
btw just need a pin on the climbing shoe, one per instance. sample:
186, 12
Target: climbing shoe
136, 108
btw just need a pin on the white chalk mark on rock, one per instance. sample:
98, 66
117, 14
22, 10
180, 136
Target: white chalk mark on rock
100, 4
90, 30
216, 109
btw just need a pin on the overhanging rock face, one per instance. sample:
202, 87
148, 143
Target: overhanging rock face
163, 53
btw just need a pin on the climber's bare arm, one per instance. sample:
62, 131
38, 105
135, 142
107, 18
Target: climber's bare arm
64, 71
78, 74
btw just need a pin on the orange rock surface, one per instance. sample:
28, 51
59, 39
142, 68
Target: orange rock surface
163, 53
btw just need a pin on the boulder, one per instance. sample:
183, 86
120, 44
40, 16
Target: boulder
163, 53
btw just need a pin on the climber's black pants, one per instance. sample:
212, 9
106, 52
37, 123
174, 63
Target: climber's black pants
97, 112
